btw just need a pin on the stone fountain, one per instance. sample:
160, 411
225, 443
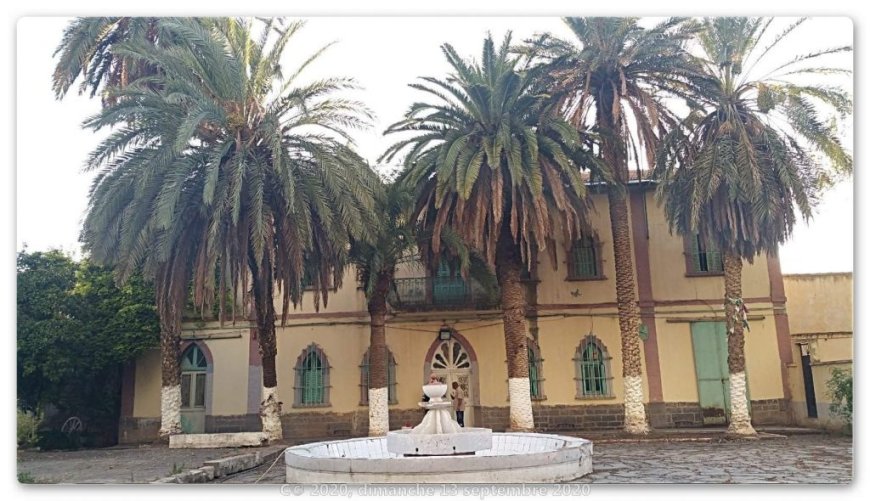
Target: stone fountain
438, 434
438, 450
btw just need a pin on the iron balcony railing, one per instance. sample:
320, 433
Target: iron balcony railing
441, 293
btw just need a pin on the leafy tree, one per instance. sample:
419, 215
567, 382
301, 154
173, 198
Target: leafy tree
76, 330
743, 163
612, 77
840, 391
489, 159
221, 161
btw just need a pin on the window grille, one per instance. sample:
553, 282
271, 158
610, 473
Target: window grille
312, 378
592, 367
583, 262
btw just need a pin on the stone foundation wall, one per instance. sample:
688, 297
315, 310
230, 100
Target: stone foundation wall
233, 424
773, 411
133, 430
548, 418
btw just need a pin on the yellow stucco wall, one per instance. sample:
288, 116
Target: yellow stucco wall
230, 373
667, 266
677, 360
819, 302
147, 385
555, 289
820, 316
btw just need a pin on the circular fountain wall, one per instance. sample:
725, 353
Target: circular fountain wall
513, 458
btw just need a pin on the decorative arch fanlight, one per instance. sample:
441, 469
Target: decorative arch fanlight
450, 354
193, 359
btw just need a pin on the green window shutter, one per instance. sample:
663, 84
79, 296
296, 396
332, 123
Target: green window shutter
593, 371
312, 378
534, 383
583, 259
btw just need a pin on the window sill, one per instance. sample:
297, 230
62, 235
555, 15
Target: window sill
586, 279
310, 406
695, 274
594, 397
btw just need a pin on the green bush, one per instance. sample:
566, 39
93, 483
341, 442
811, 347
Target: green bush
28, 424
52, 440
840, 391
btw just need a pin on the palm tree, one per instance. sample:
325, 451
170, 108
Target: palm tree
274, 188
86, 51
395, 241
376, 261
744, 162
491, 161
612, 80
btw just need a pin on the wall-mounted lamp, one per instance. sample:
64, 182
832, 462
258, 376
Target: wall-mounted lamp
445, 333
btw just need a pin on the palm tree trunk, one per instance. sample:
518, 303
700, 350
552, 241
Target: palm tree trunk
264, 312
379, 412
740, 422
629, 314
170, 370
508, 265
170, 290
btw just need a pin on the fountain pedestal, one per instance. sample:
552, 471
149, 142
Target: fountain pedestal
438, 434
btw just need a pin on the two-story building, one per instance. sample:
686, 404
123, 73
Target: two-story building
443, 324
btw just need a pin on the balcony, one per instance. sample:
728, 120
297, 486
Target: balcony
441, 293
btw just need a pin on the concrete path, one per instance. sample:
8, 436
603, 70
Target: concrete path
796, 459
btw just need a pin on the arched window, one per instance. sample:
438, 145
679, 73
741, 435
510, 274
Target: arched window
312, 378
536, 379
391, 379
592, 369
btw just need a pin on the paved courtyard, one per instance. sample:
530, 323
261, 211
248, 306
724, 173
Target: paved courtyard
797, 459
114, 465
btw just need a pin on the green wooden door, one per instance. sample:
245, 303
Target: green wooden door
711, 367
710, 343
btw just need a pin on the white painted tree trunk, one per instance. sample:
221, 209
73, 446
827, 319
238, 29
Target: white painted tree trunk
379, 412
740, 423
521, 404
635, 414
170, 410
270, 413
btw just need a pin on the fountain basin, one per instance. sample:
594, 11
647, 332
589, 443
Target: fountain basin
512, 458
403, 442
435, 390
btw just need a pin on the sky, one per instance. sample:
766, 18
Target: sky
383, 54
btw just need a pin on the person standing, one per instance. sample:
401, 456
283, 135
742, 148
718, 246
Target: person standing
459, 397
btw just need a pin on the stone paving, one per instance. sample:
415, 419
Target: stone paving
114, 465
797, 459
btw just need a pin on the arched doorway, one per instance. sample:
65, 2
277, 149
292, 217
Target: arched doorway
194, 389
454, 360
